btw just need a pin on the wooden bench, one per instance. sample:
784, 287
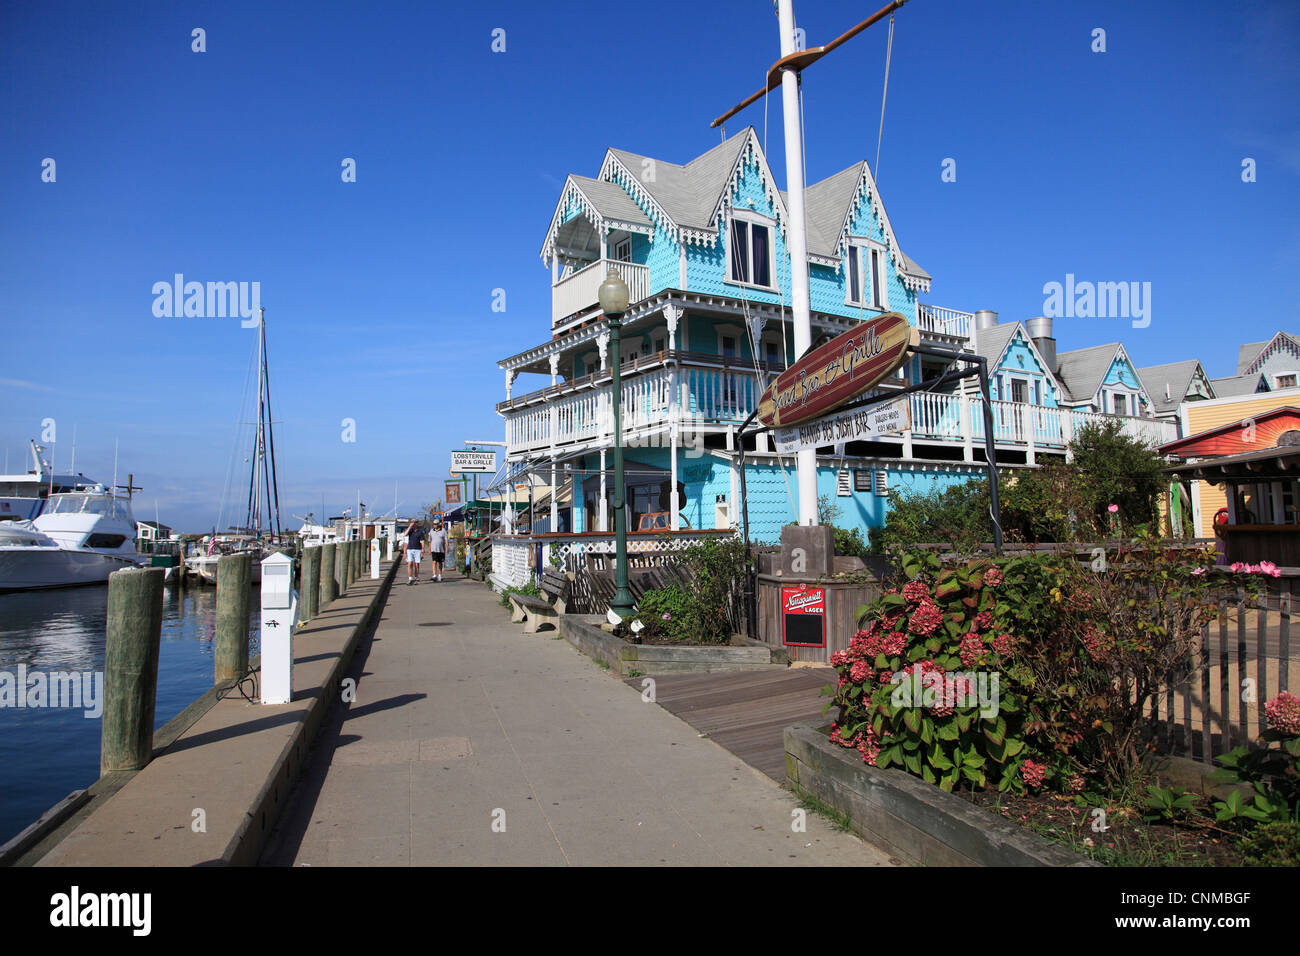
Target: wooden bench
533, 611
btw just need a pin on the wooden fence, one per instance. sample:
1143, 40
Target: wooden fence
1242, 661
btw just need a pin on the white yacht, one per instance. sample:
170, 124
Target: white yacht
22, 496
80, 537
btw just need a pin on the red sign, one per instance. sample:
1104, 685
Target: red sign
832, 374
453, 493
803, 616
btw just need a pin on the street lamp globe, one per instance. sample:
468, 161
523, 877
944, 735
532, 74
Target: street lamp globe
613, 294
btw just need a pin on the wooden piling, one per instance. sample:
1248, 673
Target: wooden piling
230, 653
341, 570
328, 586
131, 668
309, 585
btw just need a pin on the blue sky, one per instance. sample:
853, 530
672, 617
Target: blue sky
225, 166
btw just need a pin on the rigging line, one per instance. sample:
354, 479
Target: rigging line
234, 448
889, 50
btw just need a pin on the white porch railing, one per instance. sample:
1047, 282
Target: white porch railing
720, 396
941, 321
515, 557
577, 292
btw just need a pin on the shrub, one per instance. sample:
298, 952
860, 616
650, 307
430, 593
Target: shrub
851, 543
530, 588
908, 695
669, 612
1117, 469
1272, 772
716, 569
1273, 844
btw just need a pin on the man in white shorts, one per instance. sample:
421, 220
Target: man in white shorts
438, 547
414, 538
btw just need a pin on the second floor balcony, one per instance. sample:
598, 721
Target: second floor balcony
574, 296
705, 394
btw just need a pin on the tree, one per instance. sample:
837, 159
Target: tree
1114, 468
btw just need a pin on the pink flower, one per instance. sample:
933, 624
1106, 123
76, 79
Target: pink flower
926, 618
992, 577
1113, 509
1283, 713
983, 620
1034, 773
859, 672
1004, 644
972, 649
914, 591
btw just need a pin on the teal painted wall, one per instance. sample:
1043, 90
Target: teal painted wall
1019, 361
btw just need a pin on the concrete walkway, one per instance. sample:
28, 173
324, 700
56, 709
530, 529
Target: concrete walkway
472, 743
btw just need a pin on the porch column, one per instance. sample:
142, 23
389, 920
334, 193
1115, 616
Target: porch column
1027, 423
555, 505
555, 270
603, 520
555, 368
510, 380
604, 243
602, 343
673, 314
733, 496
967, 431
1067, 432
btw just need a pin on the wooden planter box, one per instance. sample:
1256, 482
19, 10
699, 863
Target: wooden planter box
912, 819
584, 632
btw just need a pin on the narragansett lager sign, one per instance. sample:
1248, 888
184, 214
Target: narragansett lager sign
836, 372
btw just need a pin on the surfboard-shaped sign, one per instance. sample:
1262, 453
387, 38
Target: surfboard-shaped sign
836, 372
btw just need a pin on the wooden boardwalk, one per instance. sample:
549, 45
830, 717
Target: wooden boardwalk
747, 711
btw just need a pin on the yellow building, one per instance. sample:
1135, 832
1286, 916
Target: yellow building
1198, 417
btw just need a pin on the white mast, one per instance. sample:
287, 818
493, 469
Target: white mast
806, 460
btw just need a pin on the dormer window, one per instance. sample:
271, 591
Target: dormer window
749, 253
867, 278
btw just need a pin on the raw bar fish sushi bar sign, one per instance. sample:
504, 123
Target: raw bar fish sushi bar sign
858, 425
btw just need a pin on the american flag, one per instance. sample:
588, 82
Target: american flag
212, 541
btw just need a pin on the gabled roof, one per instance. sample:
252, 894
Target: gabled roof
993, 342
1081, 371
687, 200
689, 197
1238, 385
1248, 356
1177, 377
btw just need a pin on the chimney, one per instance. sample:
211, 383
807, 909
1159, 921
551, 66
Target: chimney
1040, 330
985, 319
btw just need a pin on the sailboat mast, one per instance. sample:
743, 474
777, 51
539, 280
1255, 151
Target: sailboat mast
273, 483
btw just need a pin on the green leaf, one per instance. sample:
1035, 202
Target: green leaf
947, 730
974, 776
912, 719
940, 761
912, 762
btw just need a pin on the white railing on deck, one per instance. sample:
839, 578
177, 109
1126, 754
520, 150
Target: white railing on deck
723, 396
577, 292
941, 321
511, 565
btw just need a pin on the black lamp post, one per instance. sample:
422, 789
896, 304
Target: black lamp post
613, 296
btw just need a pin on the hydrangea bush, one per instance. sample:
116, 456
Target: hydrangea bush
920, 683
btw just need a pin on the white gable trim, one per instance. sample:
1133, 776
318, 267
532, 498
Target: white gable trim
1272, 347
866, 192
571, 194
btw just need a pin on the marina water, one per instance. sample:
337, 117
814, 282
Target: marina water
47, 752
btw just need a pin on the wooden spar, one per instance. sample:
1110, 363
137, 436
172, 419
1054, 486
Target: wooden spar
804, 58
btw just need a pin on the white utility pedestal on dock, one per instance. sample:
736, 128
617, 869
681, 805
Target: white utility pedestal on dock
279, 617
374, 559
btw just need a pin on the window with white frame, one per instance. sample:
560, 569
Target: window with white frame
866, 276
749, 251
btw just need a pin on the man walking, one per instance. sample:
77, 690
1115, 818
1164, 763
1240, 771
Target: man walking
438, 547
414, 539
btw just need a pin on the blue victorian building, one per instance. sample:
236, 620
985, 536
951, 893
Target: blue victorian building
702, 248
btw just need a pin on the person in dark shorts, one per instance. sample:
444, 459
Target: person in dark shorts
438, 547
414, 539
